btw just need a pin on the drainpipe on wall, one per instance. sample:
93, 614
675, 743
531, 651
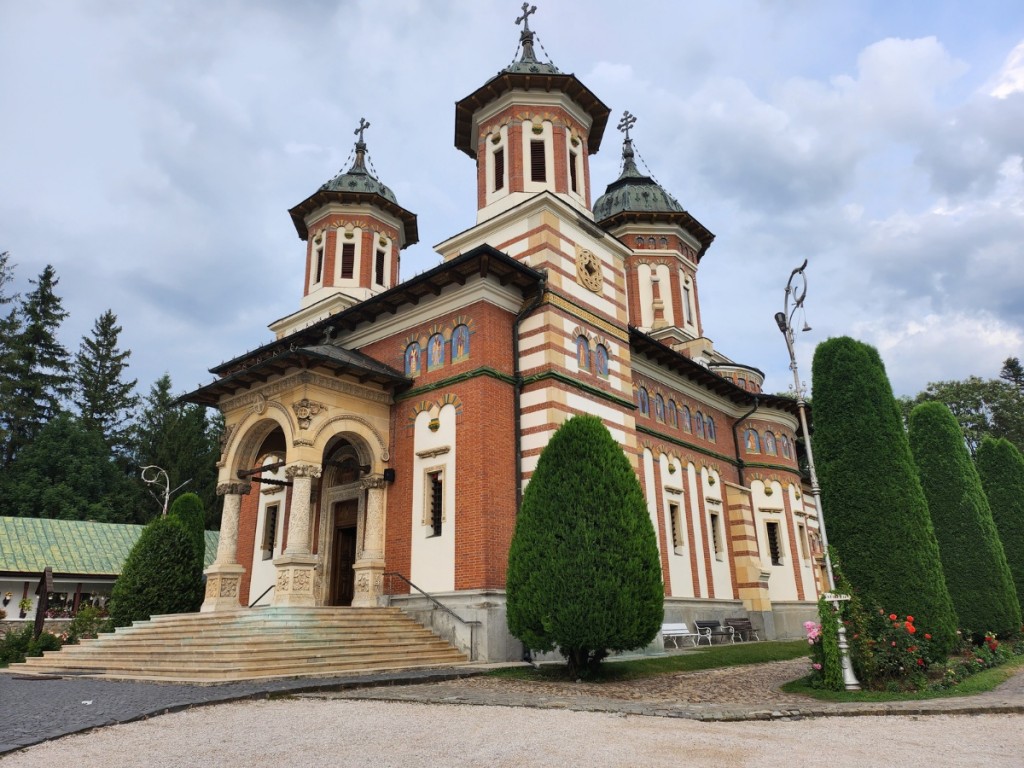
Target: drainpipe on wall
517, 407
736, 440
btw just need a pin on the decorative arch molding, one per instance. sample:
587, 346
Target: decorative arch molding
370, 431
434, 406
249, 435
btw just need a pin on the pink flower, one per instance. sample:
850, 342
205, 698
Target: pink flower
816, 666
893, 643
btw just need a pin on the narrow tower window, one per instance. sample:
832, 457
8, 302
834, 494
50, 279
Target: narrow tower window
435, 498
538, 162
676, 519
499, 169
378, 270
348, 261
319, 273
269, 531
716, 539
572, 172
774, 546
687, 306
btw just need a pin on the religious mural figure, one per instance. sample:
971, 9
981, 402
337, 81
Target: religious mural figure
460, 343
601, 358
698, 424
709, 427
753, 442
686, 419
785, 447
583, 353
659, 407
673, 414
769, 444
435, 352
412, 359
645, 403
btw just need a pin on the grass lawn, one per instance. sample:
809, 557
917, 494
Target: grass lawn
704, 658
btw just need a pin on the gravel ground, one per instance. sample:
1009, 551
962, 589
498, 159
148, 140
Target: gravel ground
360, 733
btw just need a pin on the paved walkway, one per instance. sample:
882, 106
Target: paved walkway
36, 710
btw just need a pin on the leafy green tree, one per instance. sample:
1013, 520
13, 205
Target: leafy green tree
874, 506
973, 560
105, 400
180, 439
67, 473
584, 574
189, 509
159, 576
1001, 467
39, 366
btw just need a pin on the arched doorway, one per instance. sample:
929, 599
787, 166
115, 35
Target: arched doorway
343, 502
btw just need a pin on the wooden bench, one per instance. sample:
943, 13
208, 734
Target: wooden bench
714, 628
742, 628
675, 631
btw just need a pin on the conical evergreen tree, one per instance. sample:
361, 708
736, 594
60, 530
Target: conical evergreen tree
40, 381
584, 574
1001, 467
973, 560
189, 509
105, 400
10, 326
874, 507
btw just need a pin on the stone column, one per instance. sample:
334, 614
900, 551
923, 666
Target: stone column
294, 585
369, 567
224, 577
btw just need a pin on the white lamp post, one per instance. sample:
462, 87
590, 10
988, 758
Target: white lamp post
784, 320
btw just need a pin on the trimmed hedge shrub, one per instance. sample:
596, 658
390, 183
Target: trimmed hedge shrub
584, 574
1001, 467
189, 509
973, 560
874, 508
159, 576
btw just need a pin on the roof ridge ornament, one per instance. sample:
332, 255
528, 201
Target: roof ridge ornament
526, 36
359, 164
628, 163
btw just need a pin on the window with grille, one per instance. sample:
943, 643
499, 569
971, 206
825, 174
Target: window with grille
348, 261
774, 543
318, 273
676, 520
499, 169
687, 306
538, 162
804, 547
378, 268
572, 172
435, 499
269, 530
716, 539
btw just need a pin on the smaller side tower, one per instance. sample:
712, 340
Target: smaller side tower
666, 245
355, 231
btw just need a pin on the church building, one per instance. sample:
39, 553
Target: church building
377, 448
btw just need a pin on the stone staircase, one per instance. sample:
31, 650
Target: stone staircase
252, 644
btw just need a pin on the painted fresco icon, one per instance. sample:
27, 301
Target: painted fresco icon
583, 353
412, 359
601, 360
460, 343
435, 352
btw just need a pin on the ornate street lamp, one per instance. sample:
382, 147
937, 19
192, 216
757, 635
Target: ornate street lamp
784, 320
153, 475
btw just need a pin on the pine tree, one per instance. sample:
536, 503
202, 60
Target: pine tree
105, 400
40, 382
1001, 467
181, 440
874, 506
10, 326
584, 574
973, 559
1013, 373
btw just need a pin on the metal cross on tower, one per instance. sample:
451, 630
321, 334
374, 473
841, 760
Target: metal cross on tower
363, 125
525, 18
626, 123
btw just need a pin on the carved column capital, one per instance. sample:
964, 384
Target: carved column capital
240, 487
373, 481
302, 470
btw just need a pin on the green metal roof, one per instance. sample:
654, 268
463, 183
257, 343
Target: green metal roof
28, 545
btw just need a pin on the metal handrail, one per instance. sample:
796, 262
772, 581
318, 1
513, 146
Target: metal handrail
469, 623
262, 596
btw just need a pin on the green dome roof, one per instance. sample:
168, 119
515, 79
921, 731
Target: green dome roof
633, 192
359, 179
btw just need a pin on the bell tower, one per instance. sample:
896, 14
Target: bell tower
354, 231
531, 129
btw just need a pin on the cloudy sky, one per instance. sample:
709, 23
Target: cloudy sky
150, 152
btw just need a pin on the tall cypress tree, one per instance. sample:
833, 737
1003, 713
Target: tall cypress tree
105, 400
874, 507
973, 560
39, 366
1001, 467
584, 574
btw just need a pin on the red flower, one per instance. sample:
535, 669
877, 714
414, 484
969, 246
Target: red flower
910, 618
910, 628
920, 662
927, 636
892, 617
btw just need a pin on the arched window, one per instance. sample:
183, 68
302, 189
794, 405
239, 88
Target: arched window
709, 428
460, 343
769, 444
412, 359
639, 241
663, 242
659, 408
435, 352
686, 419
673, 414
650, 242
698, 424
645, 403
601, 360
741, 383
583, 353
752, 441
787, 450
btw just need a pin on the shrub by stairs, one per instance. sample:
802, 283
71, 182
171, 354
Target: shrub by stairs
252, 644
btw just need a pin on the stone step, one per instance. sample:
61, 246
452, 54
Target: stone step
270, 634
